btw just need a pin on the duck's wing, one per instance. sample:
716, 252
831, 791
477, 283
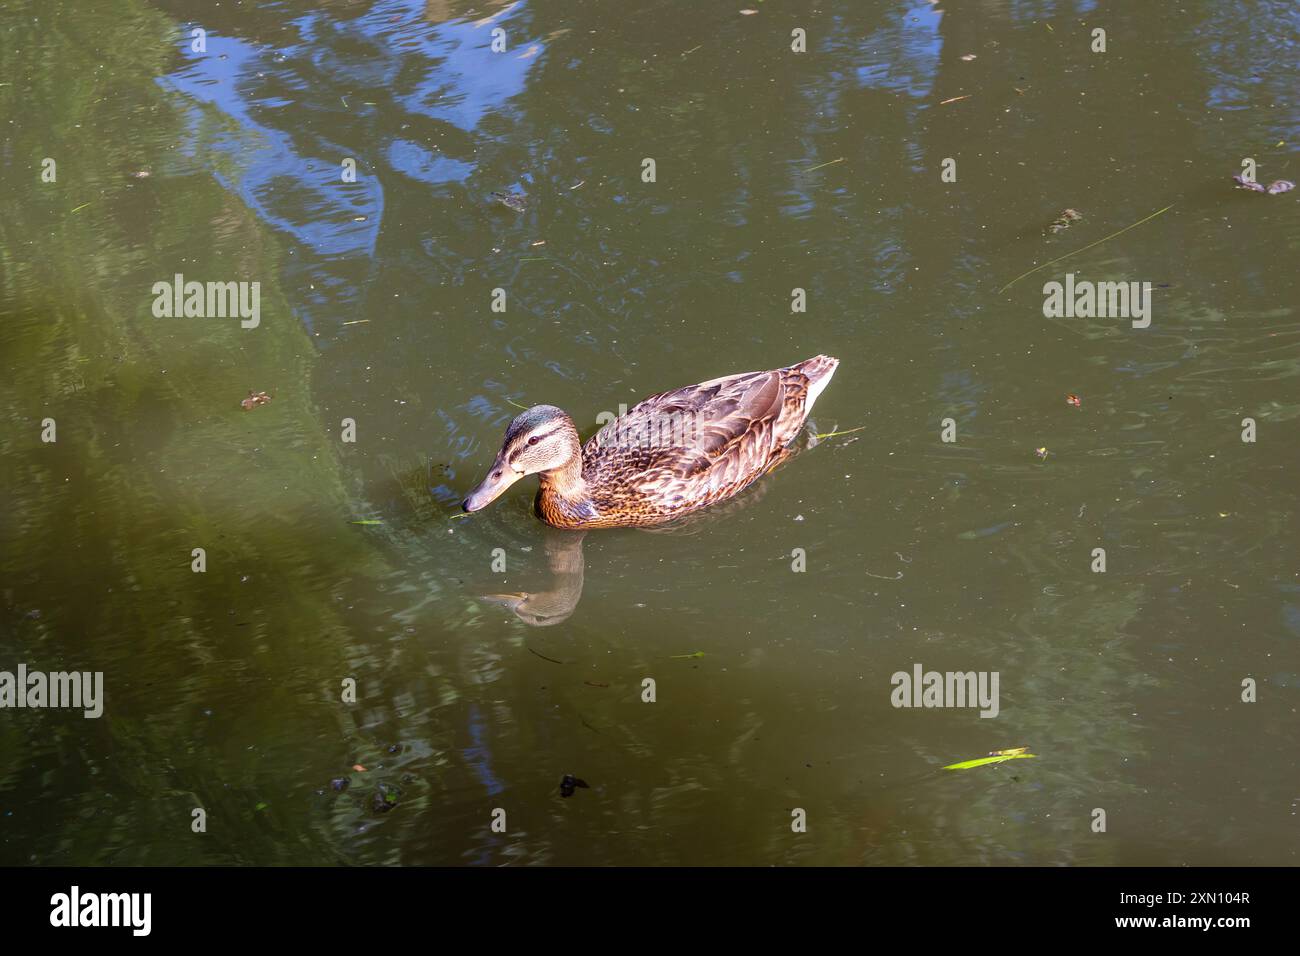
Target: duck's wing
700, 442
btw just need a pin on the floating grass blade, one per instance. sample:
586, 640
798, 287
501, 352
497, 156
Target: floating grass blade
981, 761
847, 431
1085, 248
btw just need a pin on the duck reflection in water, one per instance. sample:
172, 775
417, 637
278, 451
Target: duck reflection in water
556, 603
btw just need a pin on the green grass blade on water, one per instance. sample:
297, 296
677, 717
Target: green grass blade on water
981, 761
1091, 245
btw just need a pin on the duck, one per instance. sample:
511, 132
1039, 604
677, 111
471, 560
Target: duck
670, 455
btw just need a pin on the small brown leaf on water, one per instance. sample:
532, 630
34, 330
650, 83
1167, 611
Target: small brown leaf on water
254, 399
358, 768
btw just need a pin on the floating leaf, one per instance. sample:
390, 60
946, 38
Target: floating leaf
1064, 219
686, 657
358, 768
367, 521
261, 806
1273, 188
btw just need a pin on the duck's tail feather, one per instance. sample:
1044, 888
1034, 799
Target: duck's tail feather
819, 370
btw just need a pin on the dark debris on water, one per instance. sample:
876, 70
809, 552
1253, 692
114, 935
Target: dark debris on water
384, 798
515, 201
570, 783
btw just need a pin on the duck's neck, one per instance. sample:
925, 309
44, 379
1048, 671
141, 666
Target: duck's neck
563, 499
566, 482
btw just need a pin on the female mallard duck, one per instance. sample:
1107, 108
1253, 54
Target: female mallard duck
670, 455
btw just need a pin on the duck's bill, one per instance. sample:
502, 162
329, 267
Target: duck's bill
511, 601
537, 610
490, 488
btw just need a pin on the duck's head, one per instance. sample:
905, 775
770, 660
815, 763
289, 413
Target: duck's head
539, 440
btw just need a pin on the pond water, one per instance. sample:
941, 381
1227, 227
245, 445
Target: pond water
771, 626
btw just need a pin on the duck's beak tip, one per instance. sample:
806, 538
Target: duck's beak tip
490, 488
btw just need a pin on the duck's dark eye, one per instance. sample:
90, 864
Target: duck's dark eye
534, 440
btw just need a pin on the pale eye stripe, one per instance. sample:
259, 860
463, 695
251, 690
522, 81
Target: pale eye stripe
539, 438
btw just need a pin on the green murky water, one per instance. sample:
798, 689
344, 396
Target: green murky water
775, 170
